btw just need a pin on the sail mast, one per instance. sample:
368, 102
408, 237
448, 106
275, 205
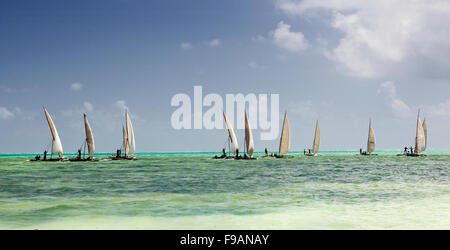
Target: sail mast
284, 139
316, 141
56, 141
232, 136
370, 139
89, 137
248, 137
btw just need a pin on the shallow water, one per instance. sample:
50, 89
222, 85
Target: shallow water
192, 191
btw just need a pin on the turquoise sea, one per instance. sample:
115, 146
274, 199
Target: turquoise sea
337, 190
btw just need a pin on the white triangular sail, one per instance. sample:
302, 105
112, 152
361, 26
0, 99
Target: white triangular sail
425, 133
57, 146
89, 138
284, 139
316, 141
370, 139
130, 134
232, 136
420, 137
248, 137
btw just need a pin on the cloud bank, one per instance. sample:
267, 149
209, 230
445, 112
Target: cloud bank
379, 36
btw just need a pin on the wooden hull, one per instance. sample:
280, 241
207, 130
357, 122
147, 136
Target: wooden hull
412, 155
83, 160
50, 160
123, 158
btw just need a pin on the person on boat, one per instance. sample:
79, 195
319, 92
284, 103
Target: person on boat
79, 154
304, 151
411, 149
360, 151
224, 154
118, 153
45, 155
266, 151
275, 155
245, 156
406, 149
237, 154
309, 151
37, 158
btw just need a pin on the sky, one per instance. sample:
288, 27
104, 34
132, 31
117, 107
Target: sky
341, 62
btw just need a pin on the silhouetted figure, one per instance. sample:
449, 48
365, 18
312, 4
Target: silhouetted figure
118, 153
267, 152
309, 151
224, 154
237, 154
37, 158
245, 156
304, 151
79, 154
406, 149
411, 149
360, 151
45, 155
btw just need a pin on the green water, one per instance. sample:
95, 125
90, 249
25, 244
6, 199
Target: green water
192, 191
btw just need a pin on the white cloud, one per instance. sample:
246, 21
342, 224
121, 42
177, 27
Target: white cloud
253, 65
259, 39
88, 106
76, 86
304, 109
284, 38
185, 45
214, 43
121, 104
440, 111
5, 114
398, 107
380, 35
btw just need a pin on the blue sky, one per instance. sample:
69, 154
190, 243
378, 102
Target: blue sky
341, 62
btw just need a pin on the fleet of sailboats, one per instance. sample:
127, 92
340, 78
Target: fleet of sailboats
421, 140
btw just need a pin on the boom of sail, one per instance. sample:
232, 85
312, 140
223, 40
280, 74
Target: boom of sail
129, 136
89, 138
232, 136
284, 139
248, 137
420, 137
316, 141
370, 139
56, 142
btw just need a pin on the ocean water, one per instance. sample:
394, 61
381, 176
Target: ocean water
338, 190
